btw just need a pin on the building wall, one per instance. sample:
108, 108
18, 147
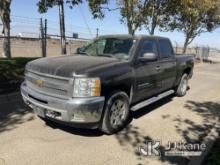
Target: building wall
26, 47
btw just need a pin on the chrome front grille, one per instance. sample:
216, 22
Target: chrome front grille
45, 84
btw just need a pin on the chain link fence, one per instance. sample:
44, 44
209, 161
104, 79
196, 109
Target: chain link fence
201, 52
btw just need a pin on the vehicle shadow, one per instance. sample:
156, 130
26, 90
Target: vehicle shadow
143, 111
209, 112
187, 128
13, 112
75, 131
96, 132
132, 137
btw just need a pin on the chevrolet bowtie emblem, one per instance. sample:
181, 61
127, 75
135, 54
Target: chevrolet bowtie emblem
39, 83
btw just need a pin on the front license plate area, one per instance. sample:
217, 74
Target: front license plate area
53, 114
39, 111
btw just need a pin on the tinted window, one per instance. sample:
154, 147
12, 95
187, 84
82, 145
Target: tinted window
165, 49
148, 46
116, 47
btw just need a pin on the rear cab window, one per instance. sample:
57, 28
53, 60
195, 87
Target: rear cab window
166, 49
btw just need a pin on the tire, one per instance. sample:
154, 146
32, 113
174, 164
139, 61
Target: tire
116, 112
183, 86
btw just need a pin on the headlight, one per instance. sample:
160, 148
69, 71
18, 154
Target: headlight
86, 87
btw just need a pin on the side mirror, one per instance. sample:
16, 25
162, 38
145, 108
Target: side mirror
148, 57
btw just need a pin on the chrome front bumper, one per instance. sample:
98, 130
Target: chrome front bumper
74, 110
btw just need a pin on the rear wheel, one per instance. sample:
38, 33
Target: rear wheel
183, 85
116, 112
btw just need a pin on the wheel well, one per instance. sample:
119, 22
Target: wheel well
187, 71
123, 88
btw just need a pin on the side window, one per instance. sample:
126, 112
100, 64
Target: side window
148, 46
166, 50
96, 48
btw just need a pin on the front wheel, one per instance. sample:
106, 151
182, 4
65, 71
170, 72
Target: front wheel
183, 85
116, 112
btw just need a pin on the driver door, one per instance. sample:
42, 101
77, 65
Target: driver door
147, 73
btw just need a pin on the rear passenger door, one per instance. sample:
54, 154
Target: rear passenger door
167, 64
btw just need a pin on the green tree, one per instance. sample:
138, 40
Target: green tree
192, 17
97, 8
5, 18
154, 12
132, 11
132, 14
136, 13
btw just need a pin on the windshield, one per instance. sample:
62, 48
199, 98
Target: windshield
110, 47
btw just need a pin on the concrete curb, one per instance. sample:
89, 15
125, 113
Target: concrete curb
209, 140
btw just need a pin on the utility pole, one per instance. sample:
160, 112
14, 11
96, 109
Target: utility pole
62, 27
42, 38
97, 32
45, 37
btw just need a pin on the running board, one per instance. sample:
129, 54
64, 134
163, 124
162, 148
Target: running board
151, 100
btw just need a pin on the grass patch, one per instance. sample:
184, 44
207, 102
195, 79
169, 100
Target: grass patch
12, 72
11, 69
214, 156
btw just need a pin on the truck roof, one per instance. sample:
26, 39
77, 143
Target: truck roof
130, 36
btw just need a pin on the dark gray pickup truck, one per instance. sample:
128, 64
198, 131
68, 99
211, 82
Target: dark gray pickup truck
99, 85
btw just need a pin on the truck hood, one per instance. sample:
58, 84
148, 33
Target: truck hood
65, 66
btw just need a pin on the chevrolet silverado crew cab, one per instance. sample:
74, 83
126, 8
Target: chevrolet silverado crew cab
99, 85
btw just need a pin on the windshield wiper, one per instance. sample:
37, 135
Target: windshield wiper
106, 55
84, 53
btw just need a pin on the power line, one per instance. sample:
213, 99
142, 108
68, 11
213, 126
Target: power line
31, 18
85, 21
34, 20
25, 25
